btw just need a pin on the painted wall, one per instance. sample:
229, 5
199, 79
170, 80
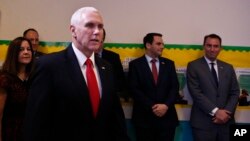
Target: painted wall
127, 21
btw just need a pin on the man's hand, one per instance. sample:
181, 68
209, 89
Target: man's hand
221, 116
160, 109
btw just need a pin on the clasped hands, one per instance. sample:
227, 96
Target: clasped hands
159, 109
221, 116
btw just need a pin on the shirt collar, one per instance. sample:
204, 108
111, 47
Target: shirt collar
208, 61
150, 58
81, 57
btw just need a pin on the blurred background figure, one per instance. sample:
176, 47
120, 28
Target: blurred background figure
114, 59
243, 98
33, 36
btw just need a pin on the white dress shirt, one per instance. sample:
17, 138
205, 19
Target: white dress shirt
81, 60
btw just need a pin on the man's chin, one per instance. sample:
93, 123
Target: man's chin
94, 48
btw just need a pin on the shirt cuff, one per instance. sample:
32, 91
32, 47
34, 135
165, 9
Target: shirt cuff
214, 111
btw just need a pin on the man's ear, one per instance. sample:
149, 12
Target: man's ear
148, 45
72, 29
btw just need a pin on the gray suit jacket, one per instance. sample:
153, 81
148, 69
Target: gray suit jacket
206, 96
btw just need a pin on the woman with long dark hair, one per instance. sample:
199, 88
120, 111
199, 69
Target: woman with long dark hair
13, 88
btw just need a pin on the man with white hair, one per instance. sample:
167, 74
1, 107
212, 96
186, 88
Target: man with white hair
73, 95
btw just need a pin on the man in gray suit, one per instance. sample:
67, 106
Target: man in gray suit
214, 88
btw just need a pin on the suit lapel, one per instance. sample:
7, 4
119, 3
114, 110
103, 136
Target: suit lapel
101, 68
220, 71
146, 69
75, 74
162, 70
108, 89
104, 78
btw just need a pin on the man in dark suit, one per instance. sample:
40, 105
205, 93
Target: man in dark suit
60, 103
33, 36
154, 114
114, 59
215, 96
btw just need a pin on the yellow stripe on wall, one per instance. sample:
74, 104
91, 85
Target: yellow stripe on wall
180, 56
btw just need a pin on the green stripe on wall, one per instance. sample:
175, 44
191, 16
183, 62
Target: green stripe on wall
42, 43
135, 45
56, 44
4, 42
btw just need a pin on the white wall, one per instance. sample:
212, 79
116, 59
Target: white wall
127, 21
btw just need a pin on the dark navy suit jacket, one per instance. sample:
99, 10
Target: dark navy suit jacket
146, 93
59, 106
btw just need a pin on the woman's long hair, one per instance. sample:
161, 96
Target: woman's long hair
11, 64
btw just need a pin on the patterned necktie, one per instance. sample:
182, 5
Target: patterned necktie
154, 70
92, 86
214, 73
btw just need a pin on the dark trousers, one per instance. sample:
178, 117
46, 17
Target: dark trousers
217, 134
155, 134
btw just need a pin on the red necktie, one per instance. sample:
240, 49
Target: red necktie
92, 86
154, 70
